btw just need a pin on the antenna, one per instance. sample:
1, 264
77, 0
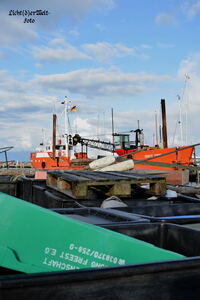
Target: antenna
180, 119
112, 126
66, 133
187, 78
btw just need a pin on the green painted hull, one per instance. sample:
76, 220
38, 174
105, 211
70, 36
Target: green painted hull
34, 239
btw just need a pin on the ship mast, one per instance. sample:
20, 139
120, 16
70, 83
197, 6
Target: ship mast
180, 119
66, 123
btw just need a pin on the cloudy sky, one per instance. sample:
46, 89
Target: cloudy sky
101, 54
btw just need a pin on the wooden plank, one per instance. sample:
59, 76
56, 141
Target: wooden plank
99, 176
74, 178
54, 173
117, 176
114, 175
85, 176
136, 176
69, 176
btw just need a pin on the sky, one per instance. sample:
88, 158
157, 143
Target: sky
124, 55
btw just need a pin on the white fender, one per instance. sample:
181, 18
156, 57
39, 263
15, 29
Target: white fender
112, 202
102, 162
123, 166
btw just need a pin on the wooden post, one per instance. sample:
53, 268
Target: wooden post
164, 124
158, 188
54, 136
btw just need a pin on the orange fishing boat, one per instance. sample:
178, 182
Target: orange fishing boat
44, 158
162, 157
174, 155
59, 153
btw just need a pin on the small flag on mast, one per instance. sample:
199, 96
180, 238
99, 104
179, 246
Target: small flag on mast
73, 108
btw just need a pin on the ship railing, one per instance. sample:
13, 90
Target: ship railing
5, 150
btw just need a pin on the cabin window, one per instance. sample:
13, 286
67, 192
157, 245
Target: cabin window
60, 147
121, 141
117, 141
126, 143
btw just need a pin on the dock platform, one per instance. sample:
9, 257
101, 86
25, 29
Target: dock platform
76, 184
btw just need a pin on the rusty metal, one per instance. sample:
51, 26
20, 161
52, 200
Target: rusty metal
54, 137
164, 124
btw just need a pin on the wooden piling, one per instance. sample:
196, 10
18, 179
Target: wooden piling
164, 124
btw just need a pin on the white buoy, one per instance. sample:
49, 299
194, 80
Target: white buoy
170, 194
122, 166
102, 162
113, 202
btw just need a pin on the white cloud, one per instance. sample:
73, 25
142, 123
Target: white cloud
189, 66
12, 31
165, 45
75, 9
144, 46
123, 50
189, 74
187, 10
104, 51
124, 121
99, 82
59, 42
58, 54
194, 10
74, 32
2, 54
26, 107
101, 27
23, 111
37, 65
58, 49
165, 18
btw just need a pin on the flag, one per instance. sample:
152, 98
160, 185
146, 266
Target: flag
73, 108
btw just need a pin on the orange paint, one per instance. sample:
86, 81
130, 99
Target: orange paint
182, 157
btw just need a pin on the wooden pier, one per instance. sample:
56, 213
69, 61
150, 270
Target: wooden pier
76, 184
15, 164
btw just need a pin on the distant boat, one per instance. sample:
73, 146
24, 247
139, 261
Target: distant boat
57, 154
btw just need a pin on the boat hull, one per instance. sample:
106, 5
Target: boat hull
45, 161
180, 157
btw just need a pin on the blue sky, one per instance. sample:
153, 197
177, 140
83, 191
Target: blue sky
101, 54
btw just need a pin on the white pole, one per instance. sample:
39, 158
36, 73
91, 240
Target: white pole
44, 137
180, 119
187, 107
66, 127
